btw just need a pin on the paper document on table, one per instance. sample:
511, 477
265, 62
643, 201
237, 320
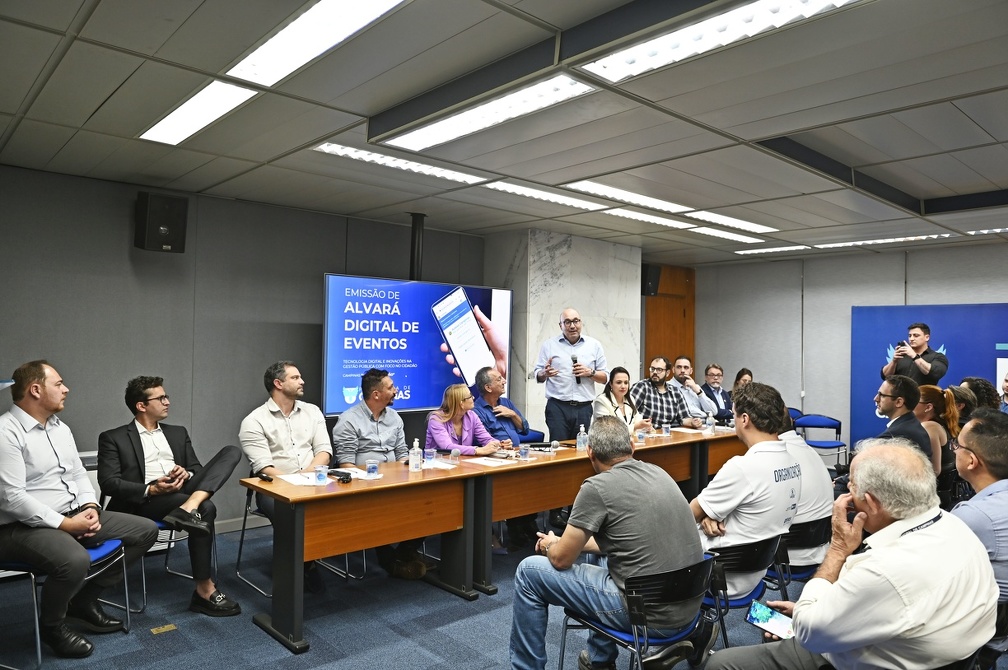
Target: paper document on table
438, 465
492, 462
681, 429
300, 479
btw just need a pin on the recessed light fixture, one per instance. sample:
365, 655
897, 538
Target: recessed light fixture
721, 219
724, 234
887, 240
771, 250
197, 112
313, 33
537, 194
648, 218
987, 231
627, 196
397, 163
717, 31
518, 103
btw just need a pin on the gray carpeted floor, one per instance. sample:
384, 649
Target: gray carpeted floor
377, 622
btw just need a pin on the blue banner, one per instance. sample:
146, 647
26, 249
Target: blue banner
973, 337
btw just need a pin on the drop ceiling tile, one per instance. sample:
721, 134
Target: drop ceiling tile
34, 144
988, 112
137, 25
84, 78
25, 53
214, 172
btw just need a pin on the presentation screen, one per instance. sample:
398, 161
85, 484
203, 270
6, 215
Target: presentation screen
428, 336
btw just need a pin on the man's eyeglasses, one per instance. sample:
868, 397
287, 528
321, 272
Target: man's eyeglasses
571, 322
885, 395
715, 375
161, 399
657, 369
955, 446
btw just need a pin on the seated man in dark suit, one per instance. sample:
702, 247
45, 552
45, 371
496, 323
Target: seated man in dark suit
714, 376
896, 399
149, 468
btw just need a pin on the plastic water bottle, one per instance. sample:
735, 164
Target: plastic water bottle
582, 439
415, 457
709, 423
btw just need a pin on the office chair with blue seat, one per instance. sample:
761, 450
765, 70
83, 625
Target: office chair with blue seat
806, 422
805, 535
751, 557
103, 557
643, 593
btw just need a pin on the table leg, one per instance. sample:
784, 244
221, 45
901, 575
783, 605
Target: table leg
454, 572
286, 623
482, 530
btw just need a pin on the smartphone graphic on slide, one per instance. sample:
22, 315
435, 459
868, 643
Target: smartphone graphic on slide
462, 333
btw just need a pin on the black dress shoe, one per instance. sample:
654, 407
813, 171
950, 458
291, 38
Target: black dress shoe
190, 522
65, 642
217, 604
313, 582
91, 617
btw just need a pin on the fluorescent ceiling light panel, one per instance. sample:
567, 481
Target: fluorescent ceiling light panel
535, 193
724, 234
888, 240
519, 103
987, 231
197, 112
397, 163
313, 33
717, 31
721, 219
627, 196
771, 250
648, 218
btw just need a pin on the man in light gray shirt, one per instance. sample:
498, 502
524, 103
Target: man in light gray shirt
696, 400
49, 512
371, 429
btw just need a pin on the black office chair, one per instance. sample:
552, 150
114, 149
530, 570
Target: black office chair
988, 655
643, 593
751, 557
342, 572
103, 557
800, 536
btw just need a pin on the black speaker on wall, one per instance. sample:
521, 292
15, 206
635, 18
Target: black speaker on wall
650, 275
160, 222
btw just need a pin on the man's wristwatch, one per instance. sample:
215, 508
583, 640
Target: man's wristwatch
916, 357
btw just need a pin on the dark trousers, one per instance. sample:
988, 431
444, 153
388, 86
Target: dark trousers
63, 560
564, 419
210, 478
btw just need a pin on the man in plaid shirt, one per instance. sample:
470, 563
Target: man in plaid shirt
660, 402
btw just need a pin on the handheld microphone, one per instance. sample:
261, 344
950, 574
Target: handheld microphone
577, 380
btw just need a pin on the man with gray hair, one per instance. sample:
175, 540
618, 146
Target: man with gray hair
615, 518
919, 592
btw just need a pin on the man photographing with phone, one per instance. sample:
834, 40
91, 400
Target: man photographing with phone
913, 357
919, 592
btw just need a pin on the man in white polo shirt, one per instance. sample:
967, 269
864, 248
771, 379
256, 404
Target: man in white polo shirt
755, 496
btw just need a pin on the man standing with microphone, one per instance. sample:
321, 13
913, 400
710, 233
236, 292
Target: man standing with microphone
569, 365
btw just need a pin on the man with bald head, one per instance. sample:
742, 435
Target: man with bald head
919, 592
570, 365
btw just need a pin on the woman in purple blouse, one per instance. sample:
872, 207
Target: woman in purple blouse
455, 425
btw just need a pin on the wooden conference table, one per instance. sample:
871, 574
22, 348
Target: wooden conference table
313, 522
